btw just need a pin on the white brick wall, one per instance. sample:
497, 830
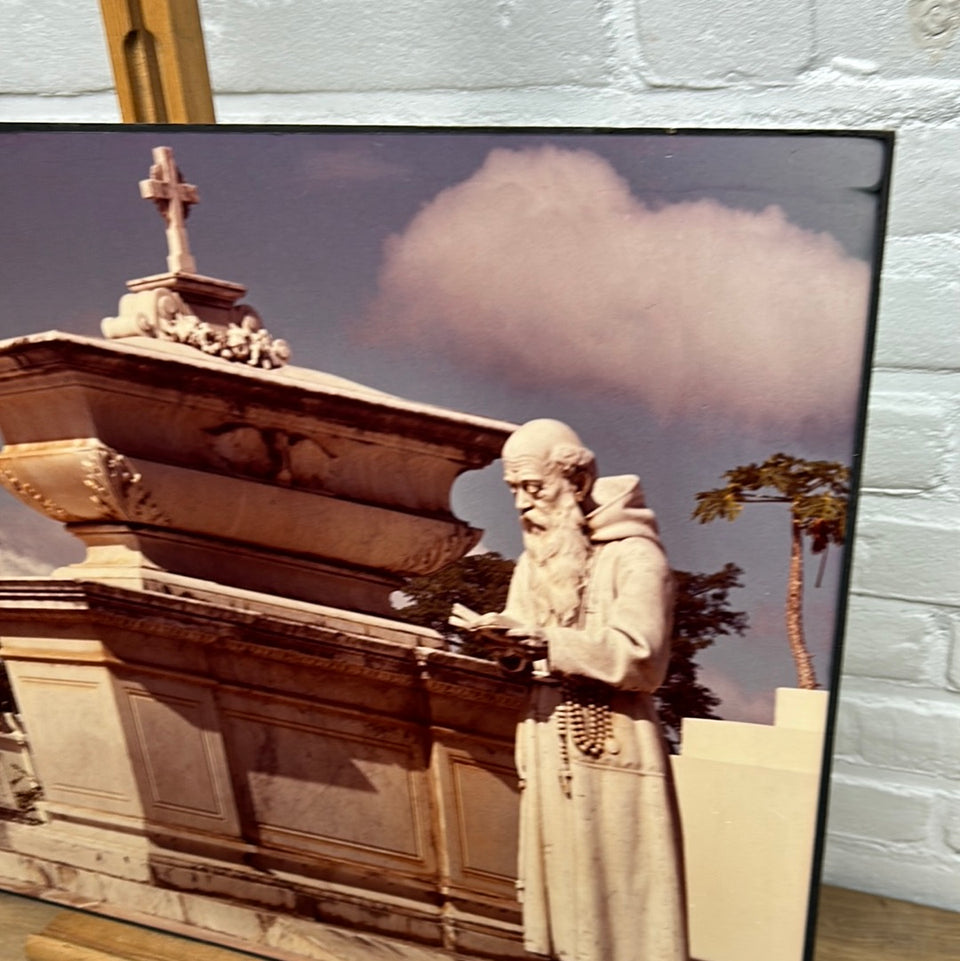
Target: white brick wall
895, 799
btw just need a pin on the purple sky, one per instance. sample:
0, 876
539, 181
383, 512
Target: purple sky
688, 303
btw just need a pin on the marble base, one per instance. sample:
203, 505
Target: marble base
258, 769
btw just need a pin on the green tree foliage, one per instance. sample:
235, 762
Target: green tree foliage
816, 493
480, 581
701, 615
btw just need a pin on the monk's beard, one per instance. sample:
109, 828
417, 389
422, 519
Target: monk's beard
558, 557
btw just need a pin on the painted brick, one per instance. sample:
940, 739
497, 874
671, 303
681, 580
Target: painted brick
919, 318
906, 444
910, 736
919, 877
942, 386
886, 639
846, 737
953, 661
51, 47
872, 811
917, 561
883, 33
817, 100
930, 257
927, 172
88, 108
297, 45
950, 822
691, 43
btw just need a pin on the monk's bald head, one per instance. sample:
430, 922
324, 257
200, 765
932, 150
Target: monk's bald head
548, 445
548, 470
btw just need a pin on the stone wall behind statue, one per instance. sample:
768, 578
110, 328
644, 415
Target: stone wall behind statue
883, 64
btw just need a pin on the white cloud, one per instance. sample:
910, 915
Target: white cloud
544, 269
30, 544
351, 163
15, 564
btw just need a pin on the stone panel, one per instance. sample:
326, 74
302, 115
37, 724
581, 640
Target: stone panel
77, 741
342, 787
173, 729
740, 854
479, 809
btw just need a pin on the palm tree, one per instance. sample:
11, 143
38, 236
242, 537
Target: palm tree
817, 493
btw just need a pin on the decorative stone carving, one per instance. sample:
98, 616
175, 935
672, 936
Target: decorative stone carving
183, 306
173, 198
31, 496
164, 314
21, 795
117, 488
278, 455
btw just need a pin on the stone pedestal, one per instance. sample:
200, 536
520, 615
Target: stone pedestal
263, 773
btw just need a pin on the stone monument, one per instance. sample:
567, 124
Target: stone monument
588, 620
229, 735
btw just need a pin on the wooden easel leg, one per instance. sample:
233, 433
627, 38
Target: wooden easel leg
159, 62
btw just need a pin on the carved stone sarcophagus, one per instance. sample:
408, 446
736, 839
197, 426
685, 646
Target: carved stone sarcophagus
168, 462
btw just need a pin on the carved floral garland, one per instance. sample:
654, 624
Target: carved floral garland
164, 315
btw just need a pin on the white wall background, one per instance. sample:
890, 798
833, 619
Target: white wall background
894, 823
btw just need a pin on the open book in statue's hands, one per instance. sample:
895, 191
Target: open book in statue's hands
504, 635
493, 623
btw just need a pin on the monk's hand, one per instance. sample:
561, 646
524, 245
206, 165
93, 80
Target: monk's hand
530, 640
495, 621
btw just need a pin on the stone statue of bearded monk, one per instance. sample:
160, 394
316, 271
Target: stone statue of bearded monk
589, 615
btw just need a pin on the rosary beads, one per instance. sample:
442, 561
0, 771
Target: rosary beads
584, 715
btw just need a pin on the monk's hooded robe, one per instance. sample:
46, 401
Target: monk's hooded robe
600, 858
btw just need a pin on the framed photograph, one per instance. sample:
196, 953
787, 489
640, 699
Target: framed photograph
248, 480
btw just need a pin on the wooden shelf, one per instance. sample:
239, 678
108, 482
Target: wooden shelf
853, 926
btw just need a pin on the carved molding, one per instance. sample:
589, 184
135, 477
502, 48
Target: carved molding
117, 488
164, 314
512, 700
28, 493
271, 453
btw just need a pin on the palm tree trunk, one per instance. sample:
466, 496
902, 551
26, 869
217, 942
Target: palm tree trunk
806, 678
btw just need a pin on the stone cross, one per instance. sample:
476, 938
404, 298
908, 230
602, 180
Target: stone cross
173, 198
